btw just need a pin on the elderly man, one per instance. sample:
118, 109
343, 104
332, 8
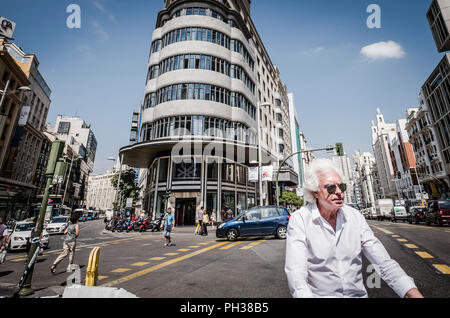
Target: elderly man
325, 240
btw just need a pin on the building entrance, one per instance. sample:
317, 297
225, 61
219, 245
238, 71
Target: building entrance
185, 211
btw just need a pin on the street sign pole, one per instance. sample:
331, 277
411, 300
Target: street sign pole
55, 154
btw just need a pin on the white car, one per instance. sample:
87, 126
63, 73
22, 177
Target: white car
21, 235
57, 225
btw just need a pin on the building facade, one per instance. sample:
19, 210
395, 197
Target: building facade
365, 181
80, 151
208, 72
423, 137
438, 16
101, 193
14, 195
382, 132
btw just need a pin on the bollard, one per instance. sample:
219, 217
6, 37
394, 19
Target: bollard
92, 269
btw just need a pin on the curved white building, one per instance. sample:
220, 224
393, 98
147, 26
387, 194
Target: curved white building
207, 73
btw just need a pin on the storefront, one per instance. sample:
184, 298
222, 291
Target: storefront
187, 183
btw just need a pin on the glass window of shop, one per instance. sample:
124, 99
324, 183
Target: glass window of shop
228, 204
251, 200
211, 203
241, 174
160, 204
163, 169
187, 169
228, 172
241, 203
213, 171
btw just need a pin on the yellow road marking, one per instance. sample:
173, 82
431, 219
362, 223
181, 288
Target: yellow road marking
383, 230
424, 255
231, 245
445, 269
395, 235
140, 264
121, 270
252, 245
183, 250
171, 254
157, 258
402, 240
411, 246
102, 277
194, 246
156, 267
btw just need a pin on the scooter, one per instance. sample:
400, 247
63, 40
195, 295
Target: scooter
155, 225
144, 225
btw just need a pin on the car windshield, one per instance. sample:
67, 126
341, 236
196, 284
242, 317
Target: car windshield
24, 227
444, 205
58, 220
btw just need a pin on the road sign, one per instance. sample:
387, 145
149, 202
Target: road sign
129, 203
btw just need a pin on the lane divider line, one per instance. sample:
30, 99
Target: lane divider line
252, 245
121, 270
140, 264
444, 269
412, 246
402, 240
162, 265
424, 255
227, 247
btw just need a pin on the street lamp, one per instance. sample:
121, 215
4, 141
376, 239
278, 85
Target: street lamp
5, 92
260, 105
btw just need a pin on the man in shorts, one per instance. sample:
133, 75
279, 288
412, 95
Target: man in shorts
168, 224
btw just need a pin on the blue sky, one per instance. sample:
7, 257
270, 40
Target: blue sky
98, 72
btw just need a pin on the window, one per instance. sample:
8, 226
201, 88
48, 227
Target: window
64, 127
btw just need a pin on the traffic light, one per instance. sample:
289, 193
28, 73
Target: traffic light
340, 149
399, 175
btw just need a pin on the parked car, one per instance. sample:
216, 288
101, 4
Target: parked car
21, 234
398, 213
417, 214
258, 221
58, 225
438, 212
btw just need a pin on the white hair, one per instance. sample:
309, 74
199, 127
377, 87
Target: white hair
311, 183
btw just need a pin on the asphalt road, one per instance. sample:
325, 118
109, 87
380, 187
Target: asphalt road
205, 267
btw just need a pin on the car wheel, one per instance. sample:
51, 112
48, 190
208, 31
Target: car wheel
232, 235
282, 232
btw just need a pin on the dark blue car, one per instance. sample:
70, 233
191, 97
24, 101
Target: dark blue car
258, 221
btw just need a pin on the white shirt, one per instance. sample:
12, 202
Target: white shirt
323, 263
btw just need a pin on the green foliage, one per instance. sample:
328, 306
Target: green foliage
128, 188
290, 198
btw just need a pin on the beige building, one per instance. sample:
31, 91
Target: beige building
208, 75
101, 193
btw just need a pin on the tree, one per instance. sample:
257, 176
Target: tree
128, 187
290, 198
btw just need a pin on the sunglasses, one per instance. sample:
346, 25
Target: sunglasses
332, 188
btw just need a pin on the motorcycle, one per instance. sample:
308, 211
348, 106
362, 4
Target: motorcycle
155, 225
144, 225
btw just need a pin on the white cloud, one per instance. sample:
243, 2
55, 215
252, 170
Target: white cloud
103, 10
383, 51
100, 31
313, 50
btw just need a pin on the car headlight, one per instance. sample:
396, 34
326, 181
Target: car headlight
221, 226
46, 236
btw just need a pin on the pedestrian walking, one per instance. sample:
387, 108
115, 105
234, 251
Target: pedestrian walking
3, 240
213, 219
229, 214
205, 222
168, 224
326, 240
198, 220
69, 245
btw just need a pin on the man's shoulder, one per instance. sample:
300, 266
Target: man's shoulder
304, 212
